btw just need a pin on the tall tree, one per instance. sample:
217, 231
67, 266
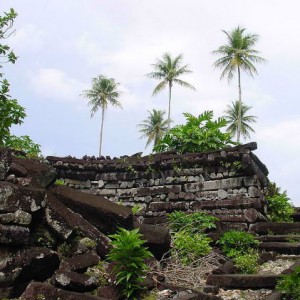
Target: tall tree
238, 55
154, 127
232, 117
168, 70
104, 91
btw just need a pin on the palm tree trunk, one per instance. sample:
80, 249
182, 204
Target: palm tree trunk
240, 107
169, 112
101, 131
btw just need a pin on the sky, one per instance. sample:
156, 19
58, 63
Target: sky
62, 45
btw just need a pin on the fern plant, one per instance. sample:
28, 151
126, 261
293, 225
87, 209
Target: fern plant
129, 254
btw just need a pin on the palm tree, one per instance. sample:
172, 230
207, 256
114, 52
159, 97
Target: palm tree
168, 70
154, 127
238, 55
104, 91
232, 117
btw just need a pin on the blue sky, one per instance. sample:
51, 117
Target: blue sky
62, 45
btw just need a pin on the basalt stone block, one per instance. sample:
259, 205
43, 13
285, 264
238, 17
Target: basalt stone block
80, 263
158, 238
73, 281
281, 247
63, 221
100, 212
52, 293
243, 281
276, 228
18, 217
158, 190
227, 268
22, 266
17, 170
13, 198
41, 174
14, 235
167, 206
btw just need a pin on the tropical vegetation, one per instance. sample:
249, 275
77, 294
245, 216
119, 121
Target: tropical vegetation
199, 134
236, 56
168, 70
154, 127
232, 117
104, 91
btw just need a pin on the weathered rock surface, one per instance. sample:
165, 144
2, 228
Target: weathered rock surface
64, 221
100, 212
52, 293
81, 262
14, 235
158, 238
275, 228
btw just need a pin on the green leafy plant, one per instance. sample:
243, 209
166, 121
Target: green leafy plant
247, 263
136, 208
280, 208
190, 247
59, 182
199, 134
24, 143
234, 243
290, 285
194, 223
129, 254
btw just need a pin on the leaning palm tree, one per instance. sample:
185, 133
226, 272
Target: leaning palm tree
168, 70
232, 117
154, 127
104, 91
238, 55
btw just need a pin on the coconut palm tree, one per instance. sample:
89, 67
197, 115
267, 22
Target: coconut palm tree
168, 70
238, 55
232, 117
104, 91
154, 127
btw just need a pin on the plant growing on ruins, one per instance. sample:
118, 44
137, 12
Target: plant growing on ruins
247, 263
129, 254
190, 247
238, 55
169, 70
154, 127
25, 144
234, 243
104, 91
194, 223
280, 208
199, 134
290, 285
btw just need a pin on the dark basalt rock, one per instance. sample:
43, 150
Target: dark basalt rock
100, 212
73, 281
17, 170
14, 235
52, 293
80, 263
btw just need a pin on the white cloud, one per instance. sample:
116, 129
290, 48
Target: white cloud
56, 85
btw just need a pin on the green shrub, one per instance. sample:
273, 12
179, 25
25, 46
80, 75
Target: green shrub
199, 134
59, 182
290, 285
280, 208
190, 247
235, 243
24, 143
247, 263
129, 256
194, 223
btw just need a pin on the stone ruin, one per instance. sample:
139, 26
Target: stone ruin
229, 184
50, 235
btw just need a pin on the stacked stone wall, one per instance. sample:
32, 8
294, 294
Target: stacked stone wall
229, 183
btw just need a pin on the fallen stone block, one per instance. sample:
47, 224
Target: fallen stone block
80, 263
52, 293
275, 228
73, 281
158, 238
100, 212
280, 247
64, 221
18, 217
14, 235
243, 281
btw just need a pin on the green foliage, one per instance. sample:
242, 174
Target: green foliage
194, 223
59, 182
279, 206
136, 208
290, 285
190, 247
129, 256
99, 272
199, 134
65, 249
234, 243
25, 144
247, 263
